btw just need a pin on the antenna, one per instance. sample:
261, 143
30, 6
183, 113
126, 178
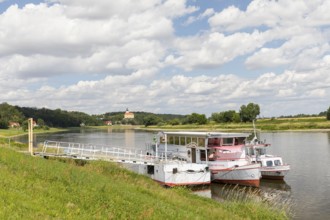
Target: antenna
254, 131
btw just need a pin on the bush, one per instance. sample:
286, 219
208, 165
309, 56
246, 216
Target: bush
3, 124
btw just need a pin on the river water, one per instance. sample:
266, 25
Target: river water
306, 188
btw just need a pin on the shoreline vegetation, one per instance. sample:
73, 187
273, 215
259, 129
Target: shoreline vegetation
271, 125
33, 187
14, 132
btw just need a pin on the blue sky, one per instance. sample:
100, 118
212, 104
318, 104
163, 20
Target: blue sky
166, 56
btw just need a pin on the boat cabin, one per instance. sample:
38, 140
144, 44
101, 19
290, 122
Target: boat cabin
253, 151
200, 147
272, 162
258, 154
226, 147
186, 146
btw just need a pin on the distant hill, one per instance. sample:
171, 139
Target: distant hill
59, 118
140, 117
64, 119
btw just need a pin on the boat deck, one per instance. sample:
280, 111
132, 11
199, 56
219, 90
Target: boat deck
97, 152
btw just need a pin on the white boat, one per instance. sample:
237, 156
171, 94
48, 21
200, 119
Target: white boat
272, 167
166, 171
224, 153
173, 172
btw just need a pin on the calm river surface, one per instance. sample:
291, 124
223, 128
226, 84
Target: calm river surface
307, 186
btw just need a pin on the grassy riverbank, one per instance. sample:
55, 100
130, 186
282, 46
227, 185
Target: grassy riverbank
7, 134
35, 188
17, 132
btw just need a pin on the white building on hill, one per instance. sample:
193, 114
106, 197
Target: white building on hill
128, 114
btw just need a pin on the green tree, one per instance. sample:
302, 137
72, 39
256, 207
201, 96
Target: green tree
25, 125
174, 121
228, 116
328, 114
3, 123
250, 112
151, 120
236, 118
225, 117
216, 117
40, 122
195, 118
10, 113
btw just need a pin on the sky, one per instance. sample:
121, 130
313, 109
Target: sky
166, 56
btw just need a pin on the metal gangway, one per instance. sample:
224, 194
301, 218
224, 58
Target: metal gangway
98, 152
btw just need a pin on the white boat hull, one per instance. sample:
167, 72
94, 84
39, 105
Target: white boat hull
275, 172
174, 174
248, 175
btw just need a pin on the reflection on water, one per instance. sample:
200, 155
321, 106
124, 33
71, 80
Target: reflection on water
308, 153
274, 184
129, 137
124, 138
276, 193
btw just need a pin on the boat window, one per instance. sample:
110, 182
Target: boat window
203, 155
170, 140
228, 141
258, 151
250, 151
269, 163
151, 169
182, 141
188, 140
277, 162
194, 140
177, 140
210, 142
240, 140
201, 142
261, 151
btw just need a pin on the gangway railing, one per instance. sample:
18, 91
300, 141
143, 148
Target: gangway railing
97, 152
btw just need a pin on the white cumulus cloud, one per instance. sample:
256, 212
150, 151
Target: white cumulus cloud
100, 56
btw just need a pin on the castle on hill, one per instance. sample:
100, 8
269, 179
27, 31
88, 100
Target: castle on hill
128, 114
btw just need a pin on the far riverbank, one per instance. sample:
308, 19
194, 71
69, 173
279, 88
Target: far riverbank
308, 124
270, 125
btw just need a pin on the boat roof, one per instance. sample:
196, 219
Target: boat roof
206, 134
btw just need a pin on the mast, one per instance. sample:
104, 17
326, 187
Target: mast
255, 132
165, 147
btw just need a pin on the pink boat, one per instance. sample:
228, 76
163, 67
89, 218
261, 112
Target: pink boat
228, 161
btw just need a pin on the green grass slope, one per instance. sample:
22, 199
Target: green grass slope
36, 188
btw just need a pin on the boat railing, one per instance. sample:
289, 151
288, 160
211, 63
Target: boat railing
98, 152
192, 145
